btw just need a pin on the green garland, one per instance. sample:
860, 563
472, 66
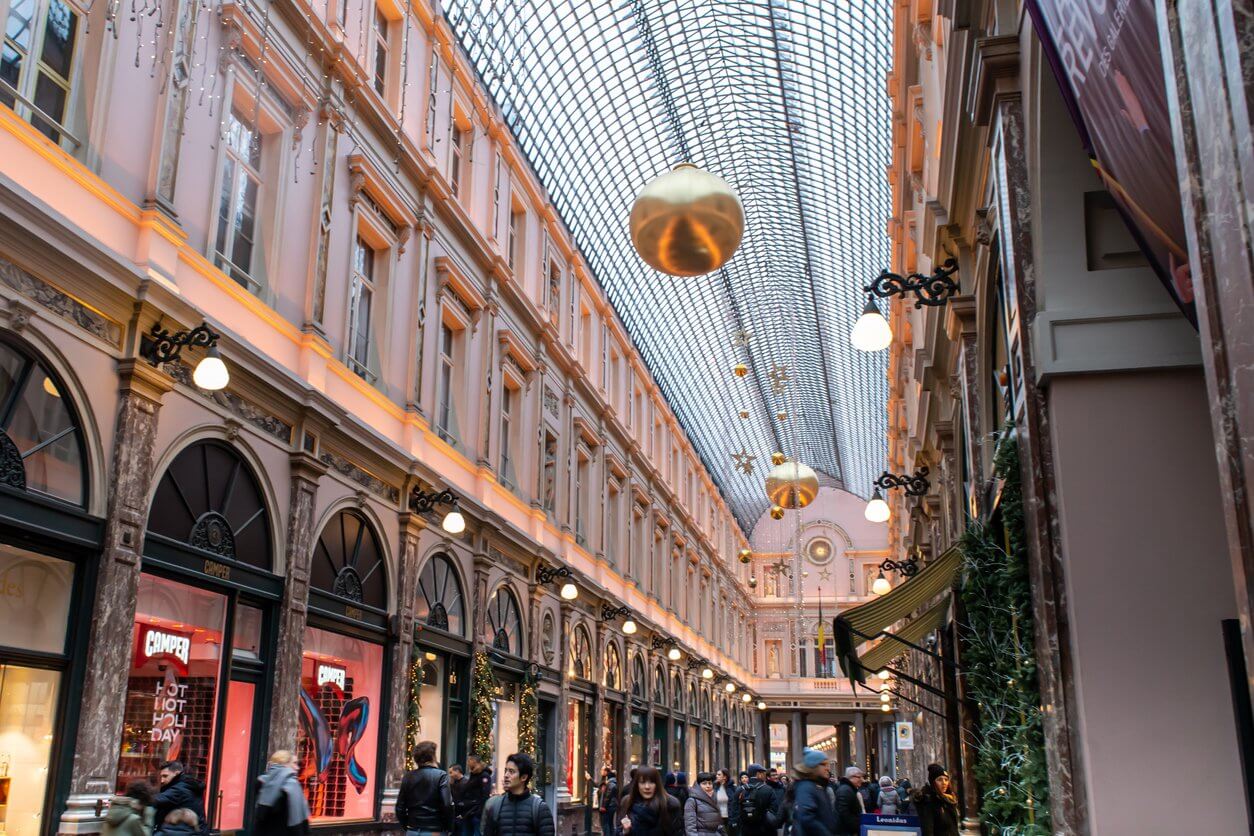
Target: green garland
999, 663
482, 707
528, 716
413, 715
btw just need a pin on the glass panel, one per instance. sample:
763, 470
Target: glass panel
28, 704
637, 738
45, 433
431, 702
172, 693
338, 744
577, 749
59, 34
10, 69
246, 640
236, 745
21, 23
504, 730
34, 600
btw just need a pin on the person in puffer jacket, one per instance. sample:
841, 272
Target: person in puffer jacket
130, 814
517, 812
812, 813
701, 812
890, 801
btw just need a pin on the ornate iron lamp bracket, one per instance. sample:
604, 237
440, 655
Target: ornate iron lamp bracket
609, 613
933, 290
420, 502
161, 346
915, 485
908, 568
545, 574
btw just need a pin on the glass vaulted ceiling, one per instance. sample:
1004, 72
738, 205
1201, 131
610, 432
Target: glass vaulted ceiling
785, 99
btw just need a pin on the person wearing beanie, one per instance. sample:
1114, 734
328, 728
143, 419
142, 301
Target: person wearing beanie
937, 805
890, 802
849, 807
810, 809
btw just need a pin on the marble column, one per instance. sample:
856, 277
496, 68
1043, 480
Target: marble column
103, 697
859, 740
305, 471
560, 751
796, 738
402, 651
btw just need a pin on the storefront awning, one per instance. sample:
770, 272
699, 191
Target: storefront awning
914, 631
867, 622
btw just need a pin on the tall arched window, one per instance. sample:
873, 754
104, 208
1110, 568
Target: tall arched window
691, 707
677, 692
208, 499
639, 680
41, 444
613, 668
440, 600
505, 622
659, 686
348, 561
580, 653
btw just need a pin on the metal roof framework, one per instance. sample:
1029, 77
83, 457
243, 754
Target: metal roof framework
782, 98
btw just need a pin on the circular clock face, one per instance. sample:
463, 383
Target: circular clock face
820, 550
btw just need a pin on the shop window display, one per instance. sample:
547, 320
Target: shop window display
340, 709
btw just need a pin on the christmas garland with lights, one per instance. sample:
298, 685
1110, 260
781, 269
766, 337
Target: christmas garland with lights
528, 716
482, 707
413, 715
999, 662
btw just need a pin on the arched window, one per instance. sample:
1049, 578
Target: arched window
348, 561
440, 600
41, 444
580, 653
639, 681
505, 622
659, 686
691, 707
208, 499
677, 692
613, 668
705, 705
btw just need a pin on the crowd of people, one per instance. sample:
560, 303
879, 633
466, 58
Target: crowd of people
461, 802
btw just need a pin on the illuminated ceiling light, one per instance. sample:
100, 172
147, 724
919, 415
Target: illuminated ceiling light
871, 332
877, 509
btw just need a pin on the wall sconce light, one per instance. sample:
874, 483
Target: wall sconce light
871, 332
569, 591
161, 346
761, 705
672, 649
420, 502
609, 613
730, 687
707, 672
876, 508
746, 697
915, 485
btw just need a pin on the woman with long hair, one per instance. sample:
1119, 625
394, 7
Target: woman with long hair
648, 809
937, 804
725, 795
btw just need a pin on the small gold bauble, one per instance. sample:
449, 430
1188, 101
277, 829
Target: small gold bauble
781, 415
753, 582
746, 555
792, 485
778, 458
740, 370
687, 222
777, 513
744, 413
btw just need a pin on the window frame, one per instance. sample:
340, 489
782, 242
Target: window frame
34, 66
450, 396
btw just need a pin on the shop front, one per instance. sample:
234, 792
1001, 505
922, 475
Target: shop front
47, 543
442, 657
504, 637
203, 635
613, 712
345, 669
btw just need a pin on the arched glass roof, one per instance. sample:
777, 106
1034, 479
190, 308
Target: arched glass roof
785, 99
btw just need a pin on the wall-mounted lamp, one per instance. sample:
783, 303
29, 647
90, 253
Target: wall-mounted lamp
746, 697
730, 687
871, 332
761, 705
569, 591
420, 502
916, 484
609, 613
672, 649
161, 346
906, 568
876, 508
707, 672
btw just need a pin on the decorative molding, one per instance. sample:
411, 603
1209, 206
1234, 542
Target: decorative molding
60, 303
245, 410
355, 474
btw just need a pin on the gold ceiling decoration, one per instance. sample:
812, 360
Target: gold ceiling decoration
741, 338
744, 461
740, 370
687, 222
792, 485
780, 378
778, 458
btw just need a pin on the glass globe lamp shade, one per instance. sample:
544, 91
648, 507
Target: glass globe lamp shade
746, 697
761, 705
886, 707
629, 627
210, 373
884, 674
886, 697
881, 586
706, 673
731, 687
673, 654
569, 591
871, 332
877, 508
453, 522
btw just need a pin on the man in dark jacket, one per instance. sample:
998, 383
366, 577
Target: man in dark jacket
607, 797
774, 781
517, 812
812, 813
476, 792
425, 803
756, 802
457, 788
179, 789
849, 803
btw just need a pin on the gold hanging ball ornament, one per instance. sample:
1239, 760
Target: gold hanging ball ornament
687, 222
746, 555
777, 513
778, 458
740, 370
791, 485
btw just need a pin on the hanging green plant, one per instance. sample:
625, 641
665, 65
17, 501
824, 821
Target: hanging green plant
999, 662
528, 716
482, 707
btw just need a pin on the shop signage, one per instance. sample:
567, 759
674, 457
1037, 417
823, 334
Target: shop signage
330, 675
353, 613
1108, 63
169, 710
905, 735
217, 570
875, 825
159, 643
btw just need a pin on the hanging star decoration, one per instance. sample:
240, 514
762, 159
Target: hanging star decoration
741, 338
744, 461
779, 378
825, 575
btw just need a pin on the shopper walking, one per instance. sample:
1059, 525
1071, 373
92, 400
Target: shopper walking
475, 794
890, 802
424, 806
179, 791
281, 808
131, 814
937, 806
811, 811
517, 811
607, 797
649, 810
757, 818
725, 796
849, 807
702, 816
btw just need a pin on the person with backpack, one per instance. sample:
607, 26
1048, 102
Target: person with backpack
130, 814
757, 801
650, 809
424, 805
281, 808
607, 800
517, 812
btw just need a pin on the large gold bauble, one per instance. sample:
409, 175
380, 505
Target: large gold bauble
792, 485
687, 222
